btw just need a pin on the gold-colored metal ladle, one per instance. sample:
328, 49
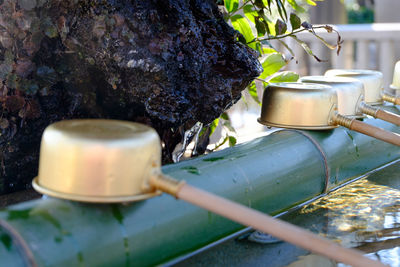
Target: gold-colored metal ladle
351, 102
373, 85
312, 106
106, 161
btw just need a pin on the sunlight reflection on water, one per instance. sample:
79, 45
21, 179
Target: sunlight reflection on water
363, 215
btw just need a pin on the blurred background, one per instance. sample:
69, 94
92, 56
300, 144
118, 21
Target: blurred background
370, 30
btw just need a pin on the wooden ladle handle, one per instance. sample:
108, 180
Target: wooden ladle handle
265, 223
380, 114
367, 129
388, 116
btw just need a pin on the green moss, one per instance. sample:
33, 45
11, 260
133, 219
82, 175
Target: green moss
116, 212
18, 214
6, 240
191, 169
213, 159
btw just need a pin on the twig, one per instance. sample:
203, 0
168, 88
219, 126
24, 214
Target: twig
288, 34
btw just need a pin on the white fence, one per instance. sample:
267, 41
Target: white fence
366, 46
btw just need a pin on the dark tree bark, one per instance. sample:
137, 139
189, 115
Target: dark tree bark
166, 63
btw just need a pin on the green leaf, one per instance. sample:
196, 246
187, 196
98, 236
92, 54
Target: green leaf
241, 38
267, 3
232, 141
261, 27
242, 25
250, 13
259, 48
225, 116
280, 27
231, 5
271, 64
268, 50
281, 9
296, 7
252, 89
295, 21
311, 3
271, 27
259, 3
213, 125
284, 76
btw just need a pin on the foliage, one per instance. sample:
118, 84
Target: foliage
259, 13
224, 121
360, 15
271, 20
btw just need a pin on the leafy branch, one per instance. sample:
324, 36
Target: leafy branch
311, 29
271, 21
258, 15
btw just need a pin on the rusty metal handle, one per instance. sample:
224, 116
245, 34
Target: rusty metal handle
265, 223
367, 129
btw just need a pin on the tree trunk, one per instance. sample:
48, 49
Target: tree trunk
166, 63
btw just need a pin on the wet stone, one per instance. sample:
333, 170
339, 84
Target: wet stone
168, 64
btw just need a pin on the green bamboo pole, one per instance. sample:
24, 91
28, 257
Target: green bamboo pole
270, 174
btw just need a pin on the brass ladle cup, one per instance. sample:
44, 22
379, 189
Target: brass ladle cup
312, 106
351, 102
108, 161
373, 85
